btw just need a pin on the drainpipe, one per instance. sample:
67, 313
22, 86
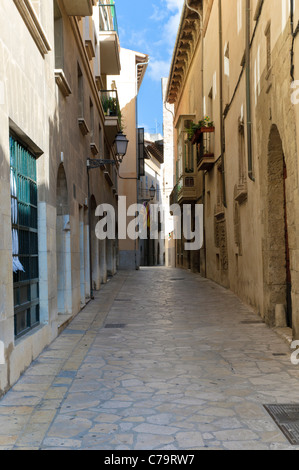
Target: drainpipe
248, 92
89, 236
222, 137
293, 39
294, 32
202, 113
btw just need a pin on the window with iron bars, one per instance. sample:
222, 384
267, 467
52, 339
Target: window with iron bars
24, 218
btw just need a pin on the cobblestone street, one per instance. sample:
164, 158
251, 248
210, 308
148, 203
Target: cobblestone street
161, 359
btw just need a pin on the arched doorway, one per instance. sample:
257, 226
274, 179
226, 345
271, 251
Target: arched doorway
63, 245
277, 273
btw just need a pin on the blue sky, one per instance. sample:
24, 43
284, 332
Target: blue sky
150, 27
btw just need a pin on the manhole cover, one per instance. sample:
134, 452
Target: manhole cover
178, 279
123, 300
74, 332
287, 419
115, 325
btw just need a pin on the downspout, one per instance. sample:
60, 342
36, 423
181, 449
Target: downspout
294, 33
202, 113
293, 39
248, 93
222, 138
89, 236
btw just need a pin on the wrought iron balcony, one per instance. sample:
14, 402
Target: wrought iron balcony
109, 40
204, 139
110, 103
108, 18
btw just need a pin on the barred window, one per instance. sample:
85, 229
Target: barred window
24, 237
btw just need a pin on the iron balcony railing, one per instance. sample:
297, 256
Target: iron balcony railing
110, 103
108, 18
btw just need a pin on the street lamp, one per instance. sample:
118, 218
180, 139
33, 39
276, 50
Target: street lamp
152, 192
121, 146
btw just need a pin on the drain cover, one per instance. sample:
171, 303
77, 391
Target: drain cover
178, 279
287, 419
251, 322
115, 325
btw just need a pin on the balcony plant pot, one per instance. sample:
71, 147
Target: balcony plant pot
202, 130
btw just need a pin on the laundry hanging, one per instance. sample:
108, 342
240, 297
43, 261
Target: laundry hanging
16, 264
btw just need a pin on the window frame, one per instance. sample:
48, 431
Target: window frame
26, 227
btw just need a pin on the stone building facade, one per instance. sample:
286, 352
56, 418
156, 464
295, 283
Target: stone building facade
238, 67
167, 174
58, 111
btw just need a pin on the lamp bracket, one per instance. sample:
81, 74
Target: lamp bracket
98, 163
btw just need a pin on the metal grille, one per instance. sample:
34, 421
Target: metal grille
287, 419
25, 237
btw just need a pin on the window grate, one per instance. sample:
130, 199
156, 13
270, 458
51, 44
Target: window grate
24, 217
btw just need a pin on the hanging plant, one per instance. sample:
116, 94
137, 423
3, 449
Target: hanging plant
197, 128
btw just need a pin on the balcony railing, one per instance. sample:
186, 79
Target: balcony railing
108, 18
204, 139
110, 103
113, 118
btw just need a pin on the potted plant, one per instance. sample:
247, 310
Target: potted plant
109, 106
195, 130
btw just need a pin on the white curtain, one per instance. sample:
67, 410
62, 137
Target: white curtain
16, 264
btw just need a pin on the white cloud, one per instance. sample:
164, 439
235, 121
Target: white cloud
171, 28
174, 5
168, 12
158, 13
158, 69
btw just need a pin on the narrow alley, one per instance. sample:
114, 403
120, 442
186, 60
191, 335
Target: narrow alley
161, 359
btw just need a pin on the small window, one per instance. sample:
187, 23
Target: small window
80, 94
91, 111
58, 37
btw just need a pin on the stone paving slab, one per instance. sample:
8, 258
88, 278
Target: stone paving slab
189, 367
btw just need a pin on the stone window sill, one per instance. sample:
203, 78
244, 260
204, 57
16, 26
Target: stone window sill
83, 126
62, 83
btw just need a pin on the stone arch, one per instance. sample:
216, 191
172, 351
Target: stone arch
63, 245
277, 271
